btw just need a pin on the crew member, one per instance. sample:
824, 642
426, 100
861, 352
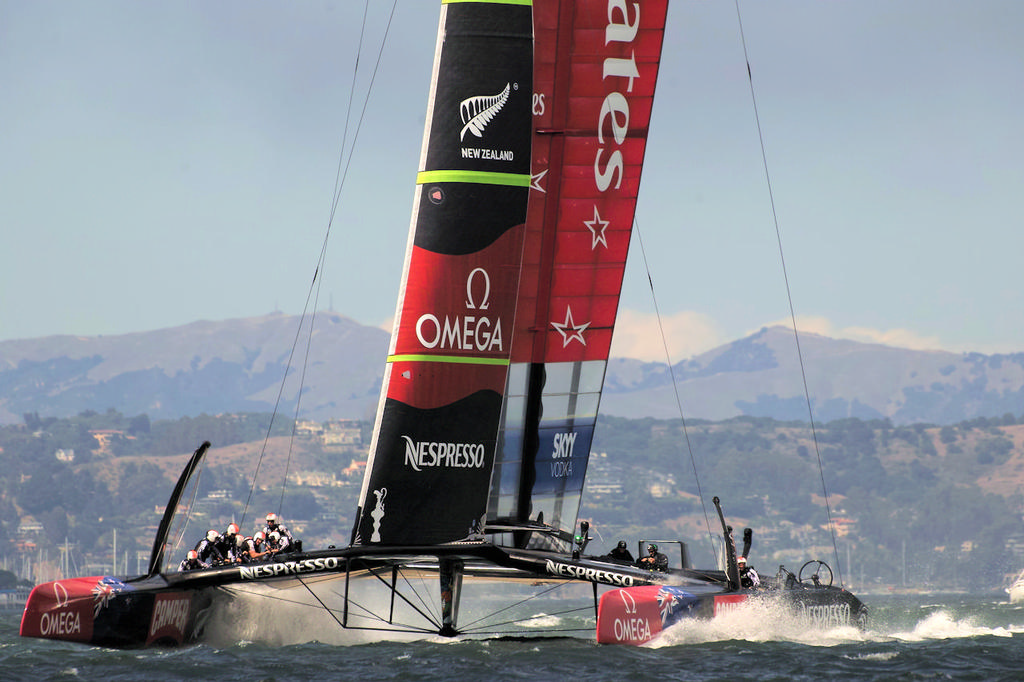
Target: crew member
228, 544
250, 550
274, 543
621, 553
748, 576
208, 551
191, 562
654, 561
287, 542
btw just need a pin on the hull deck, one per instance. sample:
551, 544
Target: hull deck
387, 589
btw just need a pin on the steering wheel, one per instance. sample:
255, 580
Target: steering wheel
813, 568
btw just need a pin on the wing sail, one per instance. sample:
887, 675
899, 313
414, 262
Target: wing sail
435, 436
595, 68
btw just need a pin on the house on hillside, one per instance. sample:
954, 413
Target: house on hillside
355, 468
106, 437
342, 432
315, 479
308, 429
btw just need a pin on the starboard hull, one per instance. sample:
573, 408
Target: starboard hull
636, 615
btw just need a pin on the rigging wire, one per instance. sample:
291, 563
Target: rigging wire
473, 625
177, 534
675, 386
344, 164
365, 612
483, 625
480, 630
789, 295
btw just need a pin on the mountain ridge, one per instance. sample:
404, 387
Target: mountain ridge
237, 365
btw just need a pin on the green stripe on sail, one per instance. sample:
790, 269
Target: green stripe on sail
477, 177
449, 359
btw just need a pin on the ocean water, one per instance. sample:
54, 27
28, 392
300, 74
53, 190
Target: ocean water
934, 637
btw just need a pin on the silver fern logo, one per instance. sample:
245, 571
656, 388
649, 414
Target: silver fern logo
477, 112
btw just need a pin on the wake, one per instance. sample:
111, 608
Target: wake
942, 624
765, 621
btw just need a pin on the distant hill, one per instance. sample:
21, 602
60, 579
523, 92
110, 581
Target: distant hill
237, 366
203, 367
760, 376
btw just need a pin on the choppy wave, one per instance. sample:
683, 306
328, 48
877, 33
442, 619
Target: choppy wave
541, 620
764, 621
908, 639
943, 624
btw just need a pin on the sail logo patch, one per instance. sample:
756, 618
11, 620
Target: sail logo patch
476, 113
426, 455
564, 443
608, 172
561, 466
468, 332
378, 514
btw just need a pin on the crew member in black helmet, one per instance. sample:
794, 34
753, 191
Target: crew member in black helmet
621, 553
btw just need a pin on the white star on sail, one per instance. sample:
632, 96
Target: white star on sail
564, 328
535, 181
597, 228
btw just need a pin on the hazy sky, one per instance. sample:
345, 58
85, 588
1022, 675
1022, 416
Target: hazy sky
162, 163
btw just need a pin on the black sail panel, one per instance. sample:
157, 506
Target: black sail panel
432, 452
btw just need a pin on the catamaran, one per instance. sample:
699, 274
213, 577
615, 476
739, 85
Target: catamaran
528, 181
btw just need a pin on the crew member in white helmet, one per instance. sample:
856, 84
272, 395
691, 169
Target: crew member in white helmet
286, 542
748, 576
208, 551
191, 562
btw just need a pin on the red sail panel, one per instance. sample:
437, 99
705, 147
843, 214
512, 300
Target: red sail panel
456, 306
599, 82
595, 69
436, 431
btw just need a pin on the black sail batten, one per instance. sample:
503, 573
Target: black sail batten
530, 445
